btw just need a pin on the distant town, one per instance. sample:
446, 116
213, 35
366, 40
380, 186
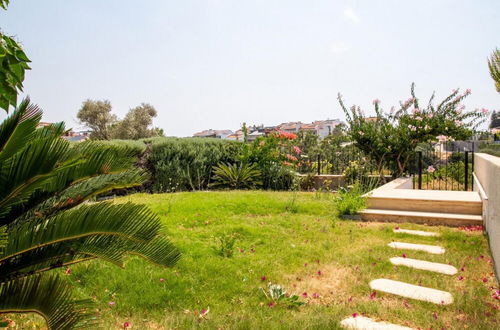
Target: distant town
322, 128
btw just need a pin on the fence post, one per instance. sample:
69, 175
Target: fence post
466, 156
472, 182
319, 164
419, 169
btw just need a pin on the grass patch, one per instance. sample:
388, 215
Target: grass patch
328, 263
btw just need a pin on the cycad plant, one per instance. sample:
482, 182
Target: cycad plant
49, 217
242, 176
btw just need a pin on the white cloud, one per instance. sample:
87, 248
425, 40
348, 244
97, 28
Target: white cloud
351, 15
339, 47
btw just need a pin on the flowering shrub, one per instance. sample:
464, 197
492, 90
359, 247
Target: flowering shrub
276, 156
389, 139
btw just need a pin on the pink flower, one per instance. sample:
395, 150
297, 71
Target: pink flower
415, 110
467, 91
442, 138
319, 272
271, 304
126, 325
204, 312
315, 295
162, 280
297, 150
396, 228
304, 294
404, 255
485, 280
354, 314
430, 115
460, 278
376, 101
111, 303
431, 169
67, 271
373, 295
306, 264
263, 278
484, 111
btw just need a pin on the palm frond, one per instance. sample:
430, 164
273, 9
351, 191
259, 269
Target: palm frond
48, 296
18, 129
72, 195
107, 247
494, 66
133, 222
28, 170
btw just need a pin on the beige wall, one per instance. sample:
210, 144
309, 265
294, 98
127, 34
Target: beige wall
487, 172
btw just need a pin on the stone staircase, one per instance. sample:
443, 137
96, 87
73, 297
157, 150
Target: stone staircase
431, 207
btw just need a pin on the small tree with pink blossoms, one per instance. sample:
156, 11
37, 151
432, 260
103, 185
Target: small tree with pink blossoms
390, 139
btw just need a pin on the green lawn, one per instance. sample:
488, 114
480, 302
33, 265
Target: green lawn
293, 240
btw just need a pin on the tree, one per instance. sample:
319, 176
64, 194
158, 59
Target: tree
495, 119
44, 182
13, 64
391, 139
494, 66
136, 124
97, 116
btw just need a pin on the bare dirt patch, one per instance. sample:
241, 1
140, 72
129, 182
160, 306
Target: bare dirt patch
322, 284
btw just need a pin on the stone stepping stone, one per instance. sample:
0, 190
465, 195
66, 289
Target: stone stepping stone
412, 291
366, 323
415, 232
417, 247
424, 265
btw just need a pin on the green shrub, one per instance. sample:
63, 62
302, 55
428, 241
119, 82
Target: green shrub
186, 163
242, 176
350, 201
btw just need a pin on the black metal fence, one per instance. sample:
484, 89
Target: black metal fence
444, 166
343, 160
437, 166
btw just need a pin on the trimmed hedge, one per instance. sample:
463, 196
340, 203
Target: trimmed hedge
186, 163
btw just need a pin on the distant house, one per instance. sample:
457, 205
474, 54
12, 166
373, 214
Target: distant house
326, 127
210, 133
236, 136
43, 124
292, 127
254, 135
322, 128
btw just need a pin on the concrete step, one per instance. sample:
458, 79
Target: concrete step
456, 202
412, 291
424, 265
428, 218
434, 249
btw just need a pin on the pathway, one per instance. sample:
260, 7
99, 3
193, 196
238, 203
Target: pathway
406, 290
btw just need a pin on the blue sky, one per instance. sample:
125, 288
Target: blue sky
218, 63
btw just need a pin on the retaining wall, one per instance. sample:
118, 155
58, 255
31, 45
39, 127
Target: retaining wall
487, 183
